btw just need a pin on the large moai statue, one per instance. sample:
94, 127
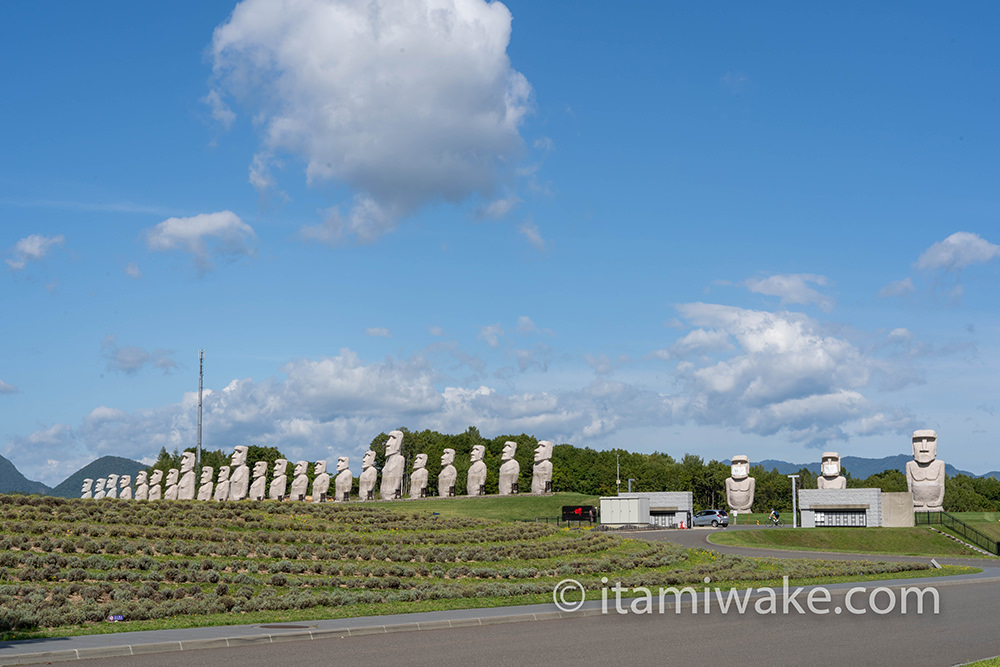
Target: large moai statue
187, 487
476, 479
830, 477
279, 482
321, 482
510, 469
221, 493
418, 478
111, 487
142, 485
239, 473
125, 487
368, 477
173, 476
258, 490
448, 475
344, 481
394, 468
740, 485
88, 488
925, 474
541, 471
205, 488
300, 483
155, 492
99, 488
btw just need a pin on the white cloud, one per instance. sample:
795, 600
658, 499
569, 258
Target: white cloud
406, 102
491, 334
436, 331
699, 341
220, 110
378, 332
897, 288
204, 235
131, 359
32, 249
498, 208
7, 388
530, 231
132, 270
525, 325
958, 251
792, 288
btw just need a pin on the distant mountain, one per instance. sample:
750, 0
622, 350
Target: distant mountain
12, 481
859, 467
102, 467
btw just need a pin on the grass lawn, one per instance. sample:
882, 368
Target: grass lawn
509, 508
984, 522
918, 541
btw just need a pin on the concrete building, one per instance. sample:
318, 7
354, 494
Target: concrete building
822, 508
667, 509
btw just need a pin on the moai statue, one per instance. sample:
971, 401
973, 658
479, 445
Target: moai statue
125, 484
300, 483
321, 482
541, 471
155, 492
279, 483
99, 488
925, 474
205, 490
343, 482
259, 487
88, 488
173, 476
111, 487
418, 478
186, 488
740, 485
448, 475
394, 468
239, 473
830, 477
141, 486
510, 469
477, 472
221, 493
368, 477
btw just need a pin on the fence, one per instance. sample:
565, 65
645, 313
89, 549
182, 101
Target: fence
960, 528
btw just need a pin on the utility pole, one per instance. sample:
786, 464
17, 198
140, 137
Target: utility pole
795, 512
618, 475
201, 374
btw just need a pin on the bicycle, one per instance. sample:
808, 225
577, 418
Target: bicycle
777, 523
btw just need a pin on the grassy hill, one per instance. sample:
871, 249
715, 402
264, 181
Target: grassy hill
102, 467
12, 481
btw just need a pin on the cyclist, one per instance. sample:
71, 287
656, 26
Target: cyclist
773, 516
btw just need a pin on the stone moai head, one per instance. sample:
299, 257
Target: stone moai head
239, 455
543, 452
420, 461
830, 466
394, 444
448, 456
88, 484
924, 446
319, 468
259, 469
141, 478
172, 476
206, 474
509, 450
280, 467
740, 467
156, 477
368, 460
125, 481
224, 472
112, 481
187, 461
478, 452
99, 484
300, 468
343, 463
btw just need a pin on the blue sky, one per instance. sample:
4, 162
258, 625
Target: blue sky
768, 230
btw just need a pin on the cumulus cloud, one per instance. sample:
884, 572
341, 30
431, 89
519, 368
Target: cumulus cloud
792, 288
7, 388
699, 341
32, 249
130, 359
897, 288
525, 325
406, 102
220, 110
378, 332
492, 334
530, 231
203, 236
958, 251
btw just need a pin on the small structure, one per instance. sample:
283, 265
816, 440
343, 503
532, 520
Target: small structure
827, 508
619, 511
667, 509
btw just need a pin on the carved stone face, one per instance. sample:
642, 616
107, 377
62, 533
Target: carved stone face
320, 467
394, 444
509, 449
478, 452
206, 474
280, 466
420, 461
259, 469
924, 446
369, 459
224, 472
156, 477
125, 481
112, 481
240, 455
343, 463
448, 457
830, 466
141, 477
172, 476
187, 461
99, 484
543, 452
740, 467
88, 484
301, 467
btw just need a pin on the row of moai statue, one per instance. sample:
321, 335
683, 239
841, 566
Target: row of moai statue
234, 481
925, 476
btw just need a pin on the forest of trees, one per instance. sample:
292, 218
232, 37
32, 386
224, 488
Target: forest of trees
592, 472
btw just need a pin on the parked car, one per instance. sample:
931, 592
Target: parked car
713, 518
